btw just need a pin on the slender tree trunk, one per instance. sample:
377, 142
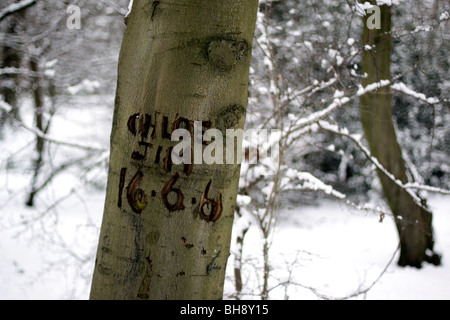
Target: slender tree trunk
238, 262
265, 287
166, 228
38, 98
413, 220
10, 58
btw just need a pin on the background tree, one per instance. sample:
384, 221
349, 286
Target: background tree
412, 217
325, 92
41, 65
53, 90
11, 53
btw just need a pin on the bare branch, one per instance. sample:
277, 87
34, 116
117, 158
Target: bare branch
361, 292
16, 7
408, 186
336, 104
21, 71
426, 188
402, 88
44, 136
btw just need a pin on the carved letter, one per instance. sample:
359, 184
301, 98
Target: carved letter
137, 198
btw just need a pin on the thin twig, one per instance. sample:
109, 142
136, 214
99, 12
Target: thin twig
42, 135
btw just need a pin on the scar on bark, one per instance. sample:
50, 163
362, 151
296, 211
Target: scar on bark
168, 160
187, 245
155, 5
121, 185
230, 116
211, 266
144, 288
224, 54
213, 208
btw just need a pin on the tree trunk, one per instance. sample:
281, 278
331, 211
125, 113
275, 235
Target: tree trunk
166, 228
238, 262
11, 58
413, 220
39, 123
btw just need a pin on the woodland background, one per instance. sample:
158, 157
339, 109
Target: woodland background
329, 232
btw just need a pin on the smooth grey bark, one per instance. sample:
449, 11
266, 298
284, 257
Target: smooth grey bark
413, 220
166, 228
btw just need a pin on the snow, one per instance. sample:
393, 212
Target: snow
86, 86
15, 7
356, 139
309, 182
330, 247
361, 8
400, 86
330, 250
47, 251
372, 87
309, 45
243, 200
335, 251
5, 106
130, 7
444, 16
384, 2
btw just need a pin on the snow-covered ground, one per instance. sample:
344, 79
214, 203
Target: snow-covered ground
336, 251
339, 251
328, 250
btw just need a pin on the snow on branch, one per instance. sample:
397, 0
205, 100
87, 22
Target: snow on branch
21, 71
402, 88
15, 7
309, 182
419, 186
312, 89
444, 17
340, 101
299, 124
6, 107
356, 139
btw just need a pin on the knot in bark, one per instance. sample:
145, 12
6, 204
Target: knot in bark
225, 54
